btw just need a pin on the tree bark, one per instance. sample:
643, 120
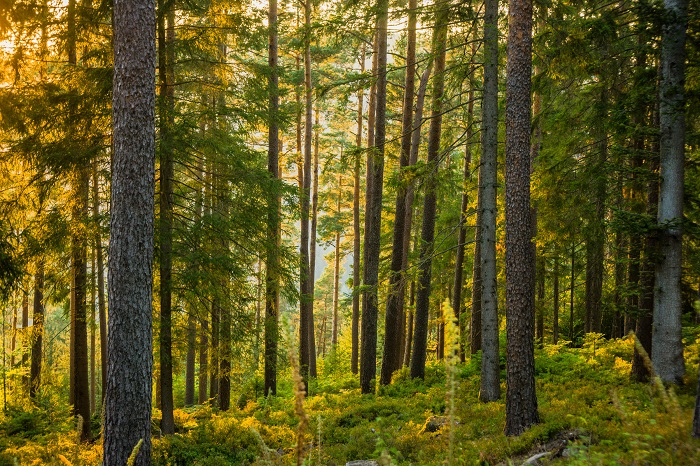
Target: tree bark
356, 246
128, 398
488, 180
420, 336
191, 358
273, 213
667, 346
393, 323
373, 210
555, 319
38, 331
102, 309
521, 401
166, 55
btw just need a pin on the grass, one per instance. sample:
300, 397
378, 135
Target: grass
587, 391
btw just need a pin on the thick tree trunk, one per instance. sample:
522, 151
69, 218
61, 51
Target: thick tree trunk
273, 212
373, 210
488, 180
128, 398
166, 38
420, 337
521, 401
312, 252
667, 347
393, 324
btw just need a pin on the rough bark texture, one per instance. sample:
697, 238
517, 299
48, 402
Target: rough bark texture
38, 331
667, 348
521, 401
373, 210
191, 358
475, 320
488, 179
128, 398
420, 336
273, 212
393, 324
166, 37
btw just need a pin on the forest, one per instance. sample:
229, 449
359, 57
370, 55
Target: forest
350, 232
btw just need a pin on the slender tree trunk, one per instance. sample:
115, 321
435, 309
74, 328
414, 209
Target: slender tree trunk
214, 360
13, 341
462, 239
93, 332
102, 311
166, 38
391, 359
312, 253
409, 326
488, 180
429, 203
373, 210
273, 213
667, 346
475, 321
79, 374
128, 398
191, 357
356, 246
336, 273
571, 293
555, 320
540, 275
203, 361
521, 401
38, 331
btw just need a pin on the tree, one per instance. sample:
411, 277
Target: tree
128, 396
521, 400
667, 345
373, 209
420, 335
488, 180
391, 360
273, 221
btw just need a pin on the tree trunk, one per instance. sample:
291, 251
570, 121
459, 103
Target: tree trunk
305, 277
336, 273
272, 284
540, 275
214, 367
429, 202
93, 335
356, 251
667, 346
555, 319
475, 321
488, 180
393, 324
191, 357
521, 401
572, 287
128, 398
312, 253
166, 38
100, 281
38, 331
203, 361
373, 210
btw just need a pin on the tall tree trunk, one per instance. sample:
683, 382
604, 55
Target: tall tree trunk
667, 346
409, 325
336, 272
555, 319
521, 401
203, 361
373, 209
356, 246
214, 359
488, 180
462, 238
475, 321
393, 324
305, 277
79, 373
539, 305
166, 55
429, 202
191, 357
102, 309
38, 331
572, 287
225, 357
273, 210
128, 398
93, 335
312, 252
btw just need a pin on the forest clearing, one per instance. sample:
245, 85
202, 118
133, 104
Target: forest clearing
361, 232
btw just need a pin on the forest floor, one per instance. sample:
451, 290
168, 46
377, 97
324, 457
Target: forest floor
591, 413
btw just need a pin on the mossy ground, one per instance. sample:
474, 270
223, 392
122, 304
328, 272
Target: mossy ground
586, 390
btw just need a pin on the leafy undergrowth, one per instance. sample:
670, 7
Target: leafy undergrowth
587, 391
